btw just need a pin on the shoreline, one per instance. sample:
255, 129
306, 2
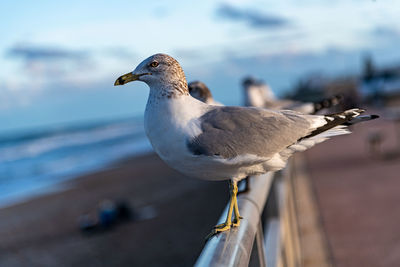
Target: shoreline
66, 182
44, 231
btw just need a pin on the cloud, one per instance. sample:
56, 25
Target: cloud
45, 62
254, 18
384, 36
42, 68
43, 53
47, 56
386, 31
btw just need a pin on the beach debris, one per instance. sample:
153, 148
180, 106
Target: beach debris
109, 214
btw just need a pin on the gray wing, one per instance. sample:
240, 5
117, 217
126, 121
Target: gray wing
232, 131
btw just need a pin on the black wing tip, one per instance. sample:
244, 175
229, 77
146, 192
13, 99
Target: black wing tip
374, 116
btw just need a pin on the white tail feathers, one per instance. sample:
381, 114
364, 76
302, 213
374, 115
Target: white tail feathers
307, 143
324, 127
338, 130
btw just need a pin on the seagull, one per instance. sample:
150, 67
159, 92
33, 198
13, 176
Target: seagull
201, 92
260, 94
223, 142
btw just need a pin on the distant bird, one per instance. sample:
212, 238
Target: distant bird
201, 92
259, 94
219, 142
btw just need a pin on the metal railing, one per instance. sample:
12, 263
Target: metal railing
268, 234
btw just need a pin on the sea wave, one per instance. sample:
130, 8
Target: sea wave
33, 161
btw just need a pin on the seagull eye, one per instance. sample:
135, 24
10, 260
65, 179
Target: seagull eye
154, 64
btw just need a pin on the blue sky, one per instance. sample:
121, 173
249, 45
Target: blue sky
60, 58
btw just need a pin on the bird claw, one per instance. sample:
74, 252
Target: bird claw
236, 222
219, 228
222, 226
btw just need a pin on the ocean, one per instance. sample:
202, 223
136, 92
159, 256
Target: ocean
36, 161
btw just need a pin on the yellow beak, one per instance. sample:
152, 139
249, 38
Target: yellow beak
129, 77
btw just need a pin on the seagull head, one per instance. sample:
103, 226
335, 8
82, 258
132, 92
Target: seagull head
200, 91
159, 70
249, 81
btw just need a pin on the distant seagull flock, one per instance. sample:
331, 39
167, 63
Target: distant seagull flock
209, 141
259, 94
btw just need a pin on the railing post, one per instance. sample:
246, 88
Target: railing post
260, 245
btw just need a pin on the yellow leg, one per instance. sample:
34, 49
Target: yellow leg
233, 207
237, 218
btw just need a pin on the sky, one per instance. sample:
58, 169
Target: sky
59, 59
